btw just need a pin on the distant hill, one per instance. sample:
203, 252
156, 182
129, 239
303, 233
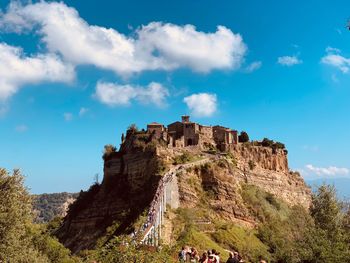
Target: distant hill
341, 184
48, 206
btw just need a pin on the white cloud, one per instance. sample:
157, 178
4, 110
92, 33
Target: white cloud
184, 46
21, 128
202, 104
253, 66
16, 70
114, 94
334, 59
83, 111
68, 116
332, 50
289, 60
156, 46
326, 171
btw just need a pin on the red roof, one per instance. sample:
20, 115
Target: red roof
155, 123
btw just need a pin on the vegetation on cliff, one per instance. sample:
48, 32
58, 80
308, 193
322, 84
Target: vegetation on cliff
284, 234
49, 206
20, 239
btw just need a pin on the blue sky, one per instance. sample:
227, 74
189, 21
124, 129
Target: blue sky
82, 71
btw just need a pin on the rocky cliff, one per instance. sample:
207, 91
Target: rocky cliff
130, 179
222, 182
131, 176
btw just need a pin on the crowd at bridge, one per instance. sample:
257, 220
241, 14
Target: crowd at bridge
154, 206
191, 255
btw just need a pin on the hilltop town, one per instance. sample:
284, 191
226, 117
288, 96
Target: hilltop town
187, 133
176, 166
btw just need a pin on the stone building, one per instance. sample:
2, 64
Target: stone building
157, 129
187, 133
224, 137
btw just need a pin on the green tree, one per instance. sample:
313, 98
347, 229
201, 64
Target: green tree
15, 220
20, 240
133, 128
326, 210
329, 238
267, 142
243, 137
122, 250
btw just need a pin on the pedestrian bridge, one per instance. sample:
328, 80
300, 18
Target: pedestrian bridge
167, 193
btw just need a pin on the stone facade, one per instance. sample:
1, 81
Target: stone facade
187, 133
157, 129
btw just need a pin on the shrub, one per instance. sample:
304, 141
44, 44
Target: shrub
251, 165
133, 128
108, 150
267, 142
243, 137
274, 145
183, 158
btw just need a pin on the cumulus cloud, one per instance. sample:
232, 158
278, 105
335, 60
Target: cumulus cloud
68, 116
289, 61
16, 70
113, 94
184, 46
202, 104
335, 59
156, 46
253, 66
326, 171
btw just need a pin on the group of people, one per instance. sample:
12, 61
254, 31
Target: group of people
191, 255
188, 254
154, 206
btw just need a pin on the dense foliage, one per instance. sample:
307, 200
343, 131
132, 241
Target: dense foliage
20, 239
243, 137
285, 234
49, 206
315, 237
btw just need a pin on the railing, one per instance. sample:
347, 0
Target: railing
150, 232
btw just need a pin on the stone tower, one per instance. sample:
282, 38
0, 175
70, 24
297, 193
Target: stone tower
185, 118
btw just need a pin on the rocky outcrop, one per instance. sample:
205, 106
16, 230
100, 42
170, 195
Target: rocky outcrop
131, 177
130, 180
223, 180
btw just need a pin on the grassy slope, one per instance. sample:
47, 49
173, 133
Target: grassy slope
224, 235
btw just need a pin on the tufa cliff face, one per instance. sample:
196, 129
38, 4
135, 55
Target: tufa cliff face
130, 179
222, 182
131, 176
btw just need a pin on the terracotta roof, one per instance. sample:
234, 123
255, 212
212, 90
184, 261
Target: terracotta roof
155, 123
